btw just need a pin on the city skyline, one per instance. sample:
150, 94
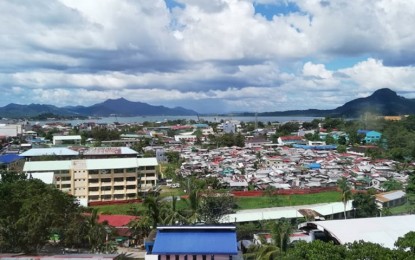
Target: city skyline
210, 56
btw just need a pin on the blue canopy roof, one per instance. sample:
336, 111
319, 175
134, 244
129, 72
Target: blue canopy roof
9, 158
195, 241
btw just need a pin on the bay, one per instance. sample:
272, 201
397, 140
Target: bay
161, 119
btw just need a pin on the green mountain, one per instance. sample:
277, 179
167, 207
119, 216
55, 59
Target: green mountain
119, 107
382, 102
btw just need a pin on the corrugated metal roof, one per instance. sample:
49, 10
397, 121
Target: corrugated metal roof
284, 212
381, 230
47, 166
91, 164
67, 137
111, 163
208, 241
392, 195
48, 151
152, 161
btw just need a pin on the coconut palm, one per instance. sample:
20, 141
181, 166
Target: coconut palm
281, 231
193, 203
154, 208
96, 232
172, 215
346, 192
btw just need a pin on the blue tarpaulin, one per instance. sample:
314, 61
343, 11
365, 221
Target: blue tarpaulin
195, 242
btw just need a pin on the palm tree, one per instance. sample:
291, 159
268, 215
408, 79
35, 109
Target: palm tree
346, 192
172, 215
193, 203
154, 208
96, 232
281, 231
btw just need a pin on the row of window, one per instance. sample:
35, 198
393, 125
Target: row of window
113, 197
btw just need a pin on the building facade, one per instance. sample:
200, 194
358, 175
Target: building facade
93, 180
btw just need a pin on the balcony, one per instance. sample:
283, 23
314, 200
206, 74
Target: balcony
93, 193
119, 191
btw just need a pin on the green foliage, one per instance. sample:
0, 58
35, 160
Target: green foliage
345, 191
104, 134
407, 242
364, 205
368, 251
173, 157
391, 185
410, 192
214, 206
341, 149
229, 140
287, 128
316, 250
31, 211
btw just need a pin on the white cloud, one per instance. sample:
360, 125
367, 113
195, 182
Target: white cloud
219, 51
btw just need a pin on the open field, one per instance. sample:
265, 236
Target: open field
242, 202
286, 200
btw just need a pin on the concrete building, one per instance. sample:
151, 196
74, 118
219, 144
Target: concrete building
99, 179
10, 130
67, 139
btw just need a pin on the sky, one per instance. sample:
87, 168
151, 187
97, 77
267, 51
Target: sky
215, 56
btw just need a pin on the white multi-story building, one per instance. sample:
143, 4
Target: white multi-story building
99, 179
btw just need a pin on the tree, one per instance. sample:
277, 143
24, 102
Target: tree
410, 192
193, 206
97, 234
391, 185
173, 215
140, 228
315, 250
31, 211
214, 206
365, 205
281, 231
154, 206
345, 191
407, 242
370, 251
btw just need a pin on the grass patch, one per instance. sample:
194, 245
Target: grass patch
242, 202
287, 200
399, 210
120, 209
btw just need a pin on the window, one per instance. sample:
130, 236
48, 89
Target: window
130, 170
119, 179
130, 178
106, 180
118, 170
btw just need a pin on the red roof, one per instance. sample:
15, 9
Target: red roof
116, 220
291, 137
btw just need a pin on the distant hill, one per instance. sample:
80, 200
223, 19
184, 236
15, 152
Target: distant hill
123, 107
382, 102
119, 107
17, 111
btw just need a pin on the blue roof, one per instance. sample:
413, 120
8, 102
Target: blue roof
9, 158
314, 166
196, 240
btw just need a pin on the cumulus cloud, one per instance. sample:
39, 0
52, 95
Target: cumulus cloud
214, 56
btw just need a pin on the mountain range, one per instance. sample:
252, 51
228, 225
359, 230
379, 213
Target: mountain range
119, 107
381, 102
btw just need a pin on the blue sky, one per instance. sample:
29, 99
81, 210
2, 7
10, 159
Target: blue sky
211, 56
